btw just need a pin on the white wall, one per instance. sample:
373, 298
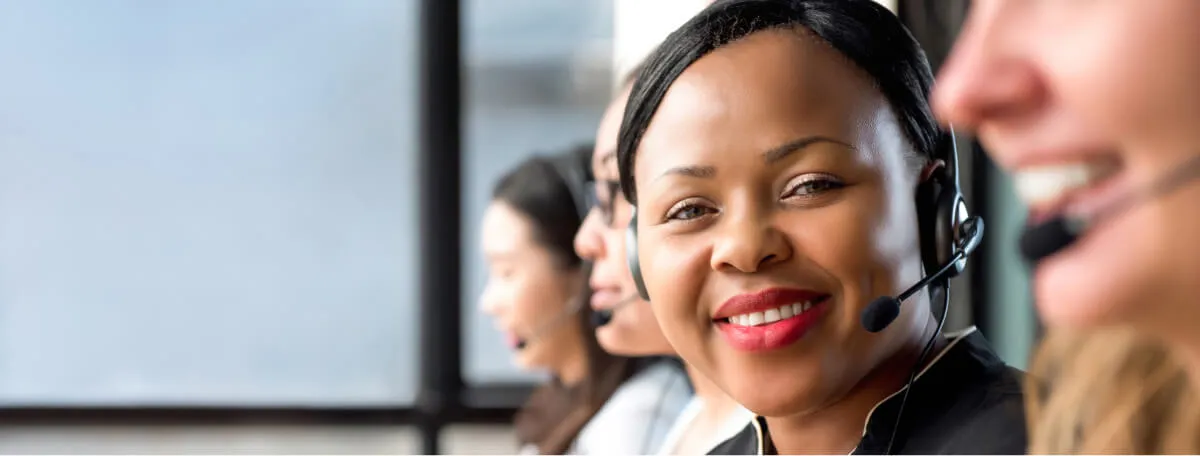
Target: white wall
639, 25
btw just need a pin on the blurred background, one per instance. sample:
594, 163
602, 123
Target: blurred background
251, 226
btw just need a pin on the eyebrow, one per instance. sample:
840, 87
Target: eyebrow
782, 151
770, 156
702, 172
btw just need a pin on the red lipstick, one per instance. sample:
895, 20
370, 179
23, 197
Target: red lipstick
760, 335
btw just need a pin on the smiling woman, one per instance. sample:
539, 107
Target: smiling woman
773, 150
1102, 150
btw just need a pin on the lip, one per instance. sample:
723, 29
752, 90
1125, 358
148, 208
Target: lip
512, 340
768, 299
773, 336
1011, 153
604, 297
1086, 202
770, 336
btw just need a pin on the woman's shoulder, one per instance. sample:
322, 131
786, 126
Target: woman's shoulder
660, 387
638, 415
973, 403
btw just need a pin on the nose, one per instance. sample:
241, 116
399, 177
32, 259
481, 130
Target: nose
985, 79
589, 242
488, 304
748, 243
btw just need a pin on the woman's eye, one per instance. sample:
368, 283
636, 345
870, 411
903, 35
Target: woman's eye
813, 186
687, 211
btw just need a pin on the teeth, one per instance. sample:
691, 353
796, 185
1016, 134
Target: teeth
770, 316
1046, 184
773, 315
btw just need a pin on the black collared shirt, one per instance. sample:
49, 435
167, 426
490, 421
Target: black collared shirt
966, 402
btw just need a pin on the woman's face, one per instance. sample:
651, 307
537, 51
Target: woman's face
775, 201
633, 330
1083, 101
528, 291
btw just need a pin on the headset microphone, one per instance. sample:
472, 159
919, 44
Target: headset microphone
883, 310
1045, 239
545, 328
604, 317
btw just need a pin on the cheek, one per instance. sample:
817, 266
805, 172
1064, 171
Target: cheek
1150, 95
676, 269
869, 242
537, 296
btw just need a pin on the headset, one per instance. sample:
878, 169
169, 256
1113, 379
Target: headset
943, 218
948, 233
574, 169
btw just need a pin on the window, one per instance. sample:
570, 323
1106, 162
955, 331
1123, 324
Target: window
208, 202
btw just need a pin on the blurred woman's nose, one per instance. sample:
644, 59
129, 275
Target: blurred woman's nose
589, 241
488, 303
982, 80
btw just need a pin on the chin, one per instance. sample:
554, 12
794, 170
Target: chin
771, 392
1079, 308
611, 339
1085, 289
787, 403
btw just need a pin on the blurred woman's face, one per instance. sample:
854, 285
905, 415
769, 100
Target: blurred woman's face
528, 292
776, 199
1083, 102
633, 330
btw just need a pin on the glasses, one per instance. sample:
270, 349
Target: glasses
601, 197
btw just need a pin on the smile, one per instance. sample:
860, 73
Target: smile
1077, 187
771, 319
770, 315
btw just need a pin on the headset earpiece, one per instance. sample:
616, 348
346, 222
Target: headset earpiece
942, 196
631, 256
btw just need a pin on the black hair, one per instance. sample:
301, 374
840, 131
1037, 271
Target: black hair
863, 31
548, 190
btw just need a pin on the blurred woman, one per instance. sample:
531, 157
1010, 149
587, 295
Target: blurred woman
786, 171
1094, 108
710, 416
536, 293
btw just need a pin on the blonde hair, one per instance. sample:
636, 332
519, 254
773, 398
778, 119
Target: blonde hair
1110, 391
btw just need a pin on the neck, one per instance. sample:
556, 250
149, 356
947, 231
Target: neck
838, 427
573, 367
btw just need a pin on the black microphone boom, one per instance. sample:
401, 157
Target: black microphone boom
559, 319
604, 317
883, 310
1045, 239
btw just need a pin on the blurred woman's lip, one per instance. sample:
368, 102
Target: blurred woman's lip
604, 298
512, 340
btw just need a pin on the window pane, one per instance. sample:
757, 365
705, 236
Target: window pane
538, 80
207, 202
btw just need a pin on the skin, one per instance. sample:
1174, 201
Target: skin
527, 294
1062, 81
836, 216
634, 330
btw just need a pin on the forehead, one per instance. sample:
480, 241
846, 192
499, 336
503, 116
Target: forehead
768, 88
504, 229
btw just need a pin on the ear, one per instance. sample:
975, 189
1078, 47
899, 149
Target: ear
930, 168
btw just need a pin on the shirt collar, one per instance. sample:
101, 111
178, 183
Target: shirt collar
877, 428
